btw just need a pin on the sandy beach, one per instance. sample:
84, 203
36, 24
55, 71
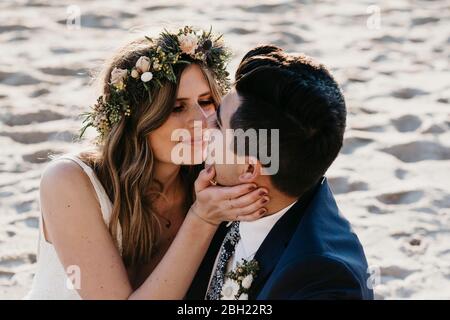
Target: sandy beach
391, 180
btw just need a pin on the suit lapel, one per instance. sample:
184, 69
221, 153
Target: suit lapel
273, 246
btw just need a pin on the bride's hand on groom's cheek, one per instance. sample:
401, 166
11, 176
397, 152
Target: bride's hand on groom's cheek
215, 204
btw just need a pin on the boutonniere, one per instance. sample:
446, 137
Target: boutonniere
238, 281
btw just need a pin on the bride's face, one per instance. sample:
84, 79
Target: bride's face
193, 105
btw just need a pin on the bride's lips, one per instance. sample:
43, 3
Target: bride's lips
192, 141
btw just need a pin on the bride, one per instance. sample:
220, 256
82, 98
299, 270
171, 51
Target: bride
127, 221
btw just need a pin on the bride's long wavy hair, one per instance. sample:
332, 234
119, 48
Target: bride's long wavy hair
124, 163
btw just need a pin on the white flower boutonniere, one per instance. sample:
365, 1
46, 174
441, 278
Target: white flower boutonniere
238, 282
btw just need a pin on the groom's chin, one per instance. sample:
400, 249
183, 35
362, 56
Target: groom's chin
225, 177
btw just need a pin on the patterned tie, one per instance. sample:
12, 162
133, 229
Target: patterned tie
226, 251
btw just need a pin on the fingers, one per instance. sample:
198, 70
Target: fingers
226, 193
254, 207
249, 198
250, 212
203, 179
254, 216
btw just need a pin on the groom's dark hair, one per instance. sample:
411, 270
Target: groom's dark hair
299, 97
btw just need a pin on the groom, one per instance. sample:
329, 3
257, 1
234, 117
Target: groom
303, 246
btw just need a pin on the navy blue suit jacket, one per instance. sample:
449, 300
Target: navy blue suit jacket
310, 253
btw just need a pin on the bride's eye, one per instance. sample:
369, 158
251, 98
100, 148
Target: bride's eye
206, 103
178, 109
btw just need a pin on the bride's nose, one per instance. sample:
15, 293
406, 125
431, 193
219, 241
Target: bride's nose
197, 117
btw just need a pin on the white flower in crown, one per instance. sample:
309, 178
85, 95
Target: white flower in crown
146, 76
134, 73
188, 43
247, 281
118, 77
143, 64
229, 290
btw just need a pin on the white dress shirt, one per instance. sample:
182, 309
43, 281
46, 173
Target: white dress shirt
252, 235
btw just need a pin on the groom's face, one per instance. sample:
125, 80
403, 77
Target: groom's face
227, 174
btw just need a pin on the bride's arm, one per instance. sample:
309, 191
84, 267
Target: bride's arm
173, 275
74, 225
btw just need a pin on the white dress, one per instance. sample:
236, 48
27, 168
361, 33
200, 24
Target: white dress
51, 280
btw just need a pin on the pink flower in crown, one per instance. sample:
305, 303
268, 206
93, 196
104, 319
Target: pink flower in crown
143, 64
118, 77
188, 43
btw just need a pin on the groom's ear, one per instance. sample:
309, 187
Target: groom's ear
251, 170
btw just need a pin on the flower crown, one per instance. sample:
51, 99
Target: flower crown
152, 69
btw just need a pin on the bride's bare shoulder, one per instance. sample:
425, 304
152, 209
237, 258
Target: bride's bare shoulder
68, 198
69, 204
62, 174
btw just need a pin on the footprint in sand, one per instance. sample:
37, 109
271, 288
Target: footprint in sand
6, 275
353, 143
402, 197
62, 50
12, 261
369, 128
341, 185
419, 151
418, 21
39, 92
24, 206
367, 110
17, 79
18, 38
29, 118
407, 93
424, 210
388, 39
64, 72
358, 74
292, 38
30, 222
163, 7
434, 129
377, 210
407, 123
97, 21
14, 28
32, 137
380, 57
127, 15
443, 202
240, 31
10, 233
288, 38
400, 234
32, 257
401, 174
266, 8
395, 271
41, 3
40, 156
6, 194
